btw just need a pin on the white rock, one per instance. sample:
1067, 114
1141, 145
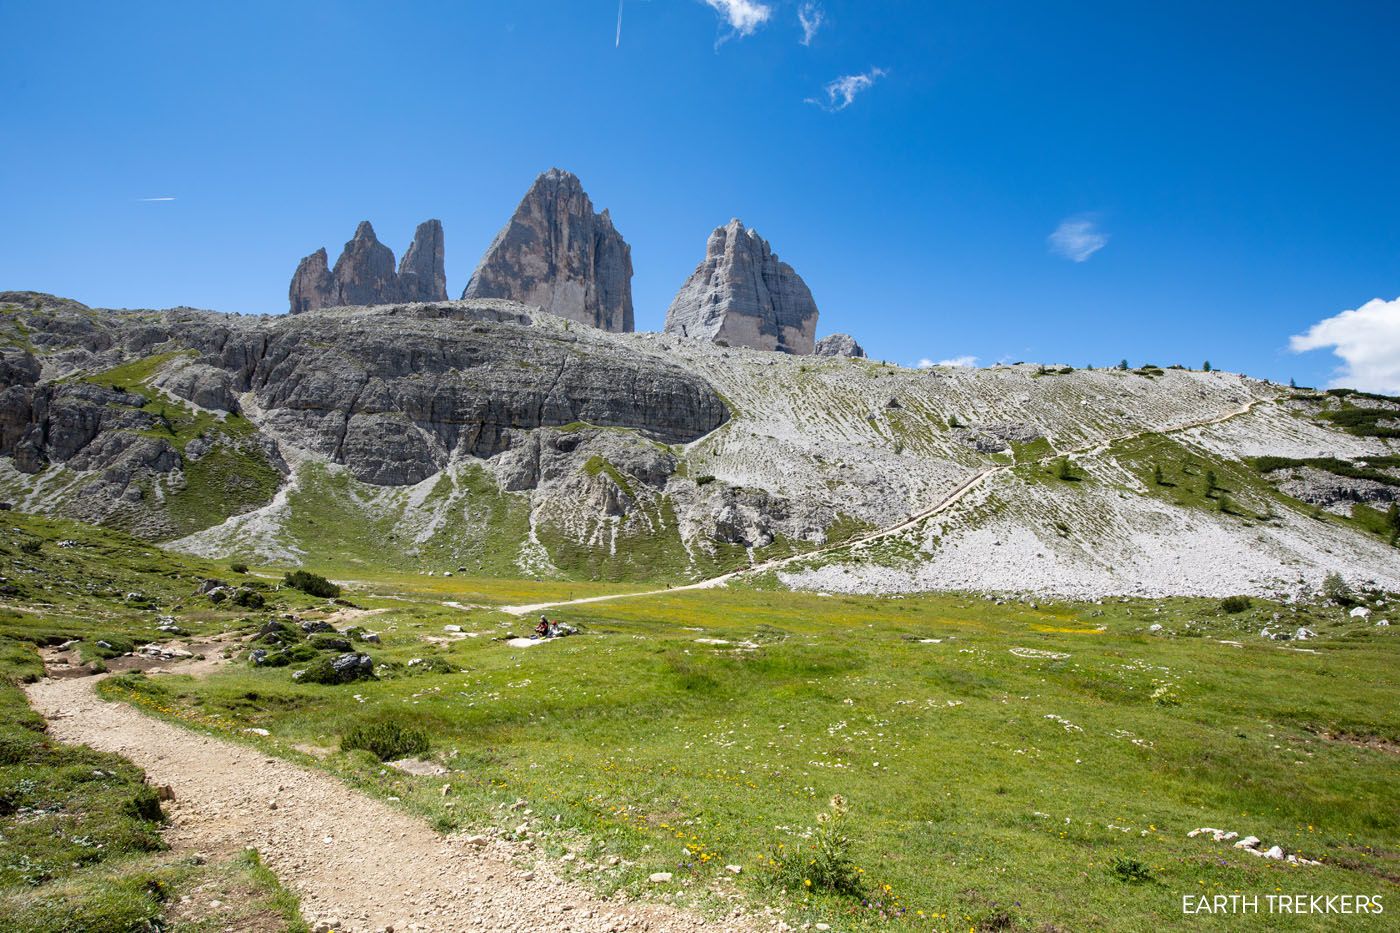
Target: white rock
1248, 842
734, 869
1360, 612
659, 877
1274, 853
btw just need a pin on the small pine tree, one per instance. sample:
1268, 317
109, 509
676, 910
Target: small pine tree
1223, 503
953, 421
1335, 589
1211, 482
1205, 367
1392, 521
1122, 365
1292, 384
1063, 470
1157, 476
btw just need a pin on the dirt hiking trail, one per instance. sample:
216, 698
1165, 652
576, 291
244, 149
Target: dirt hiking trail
357, 863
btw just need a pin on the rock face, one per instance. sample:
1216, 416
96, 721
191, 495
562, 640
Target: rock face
393, 393
311, 284
421, 272
364, 274
558, 254
840, 345
742, 295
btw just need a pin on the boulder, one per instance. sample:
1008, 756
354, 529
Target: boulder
839, 345
743, 295
556, 253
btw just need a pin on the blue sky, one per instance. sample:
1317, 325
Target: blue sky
1224, 176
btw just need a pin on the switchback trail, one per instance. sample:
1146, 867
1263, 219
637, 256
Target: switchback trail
942, 505
357, 863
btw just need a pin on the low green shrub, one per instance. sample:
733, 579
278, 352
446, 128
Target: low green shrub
385, 739
1129, 870
313, 584
1235, 604
248, 598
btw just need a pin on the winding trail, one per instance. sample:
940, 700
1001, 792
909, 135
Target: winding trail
357, 863
942, 505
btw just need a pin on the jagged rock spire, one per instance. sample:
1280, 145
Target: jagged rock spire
555, 252
364, 274
421, 272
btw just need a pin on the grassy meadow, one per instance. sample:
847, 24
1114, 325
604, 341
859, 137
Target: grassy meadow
1005, 766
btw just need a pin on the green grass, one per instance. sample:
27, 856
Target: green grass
231, 478
1332, 465
1185, 478
1364, 422
965, 797
80, 843
985, 788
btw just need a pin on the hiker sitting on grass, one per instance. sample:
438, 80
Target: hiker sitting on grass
544, 629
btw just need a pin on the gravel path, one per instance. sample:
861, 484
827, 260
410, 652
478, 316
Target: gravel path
352, 859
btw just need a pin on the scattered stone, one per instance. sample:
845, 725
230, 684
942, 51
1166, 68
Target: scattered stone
659, 877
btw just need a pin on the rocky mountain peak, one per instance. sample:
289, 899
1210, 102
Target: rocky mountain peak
743, 295
311, 283
364, 274
422, 276
558, 254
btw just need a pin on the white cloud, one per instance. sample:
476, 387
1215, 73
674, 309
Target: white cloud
967, 362
743, 16
1077, 238
1368, 341
842, 92
810, 16
155, 199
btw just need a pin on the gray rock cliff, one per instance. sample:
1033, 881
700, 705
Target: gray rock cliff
742, 295
393, 393
556, 253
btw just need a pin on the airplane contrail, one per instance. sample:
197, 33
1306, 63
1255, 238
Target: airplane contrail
618, 44
155, 199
